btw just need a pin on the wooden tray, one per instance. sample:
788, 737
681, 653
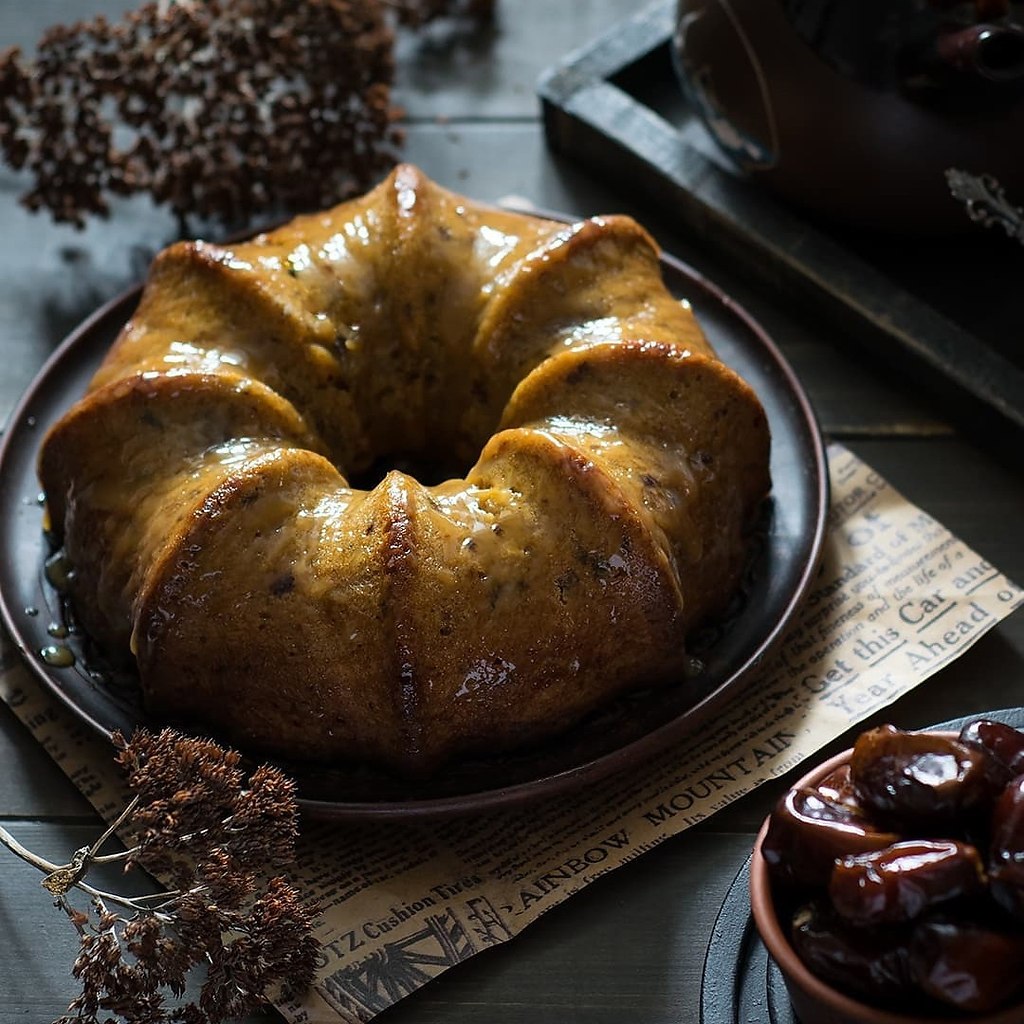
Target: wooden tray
944, 311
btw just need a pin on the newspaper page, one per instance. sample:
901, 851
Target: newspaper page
897, 597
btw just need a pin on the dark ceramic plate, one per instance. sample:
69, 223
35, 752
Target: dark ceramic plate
742, 983
629, 731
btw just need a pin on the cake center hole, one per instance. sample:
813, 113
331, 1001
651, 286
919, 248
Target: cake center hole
428, 469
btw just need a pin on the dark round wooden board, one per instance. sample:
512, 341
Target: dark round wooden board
633, 730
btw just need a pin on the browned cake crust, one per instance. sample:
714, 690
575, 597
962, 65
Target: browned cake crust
201, 486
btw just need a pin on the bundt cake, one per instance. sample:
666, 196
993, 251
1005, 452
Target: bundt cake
201, 488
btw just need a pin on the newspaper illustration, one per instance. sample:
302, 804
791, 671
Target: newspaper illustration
897, 597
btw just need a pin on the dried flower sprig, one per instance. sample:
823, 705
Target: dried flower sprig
219, 840
217, 108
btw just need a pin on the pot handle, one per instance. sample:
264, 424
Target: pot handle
993, 52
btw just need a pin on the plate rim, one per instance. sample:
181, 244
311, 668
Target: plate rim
564, 780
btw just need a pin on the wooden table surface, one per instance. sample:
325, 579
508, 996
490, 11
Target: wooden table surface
632, 945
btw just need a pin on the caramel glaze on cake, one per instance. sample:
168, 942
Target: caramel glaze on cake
201, 487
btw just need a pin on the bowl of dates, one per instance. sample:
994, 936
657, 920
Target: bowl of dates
888, 884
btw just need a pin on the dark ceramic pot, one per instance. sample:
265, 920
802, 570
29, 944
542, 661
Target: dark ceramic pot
854, 109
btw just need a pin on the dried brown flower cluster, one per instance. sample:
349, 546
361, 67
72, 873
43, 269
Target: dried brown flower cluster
195, 803
219, 840
217, 108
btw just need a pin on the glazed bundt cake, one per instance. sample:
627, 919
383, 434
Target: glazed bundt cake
201, 489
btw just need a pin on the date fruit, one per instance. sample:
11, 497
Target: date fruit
808, 831
868, 963
904, 880
1006, 854
917, 781
837, 786
966, 965
1004, 743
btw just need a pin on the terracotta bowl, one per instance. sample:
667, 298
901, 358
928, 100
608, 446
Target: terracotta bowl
815, 1001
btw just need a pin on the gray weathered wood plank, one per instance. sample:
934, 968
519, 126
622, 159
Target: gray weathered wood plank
31, 784
40, 943
635, 942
